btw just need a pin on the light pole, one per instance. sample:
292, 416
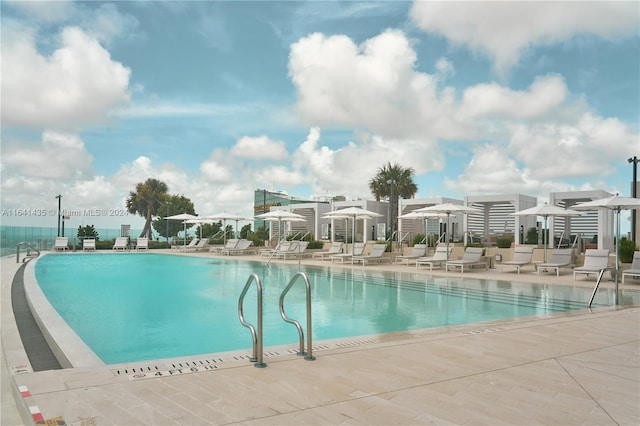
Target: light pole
634, 194
59, 197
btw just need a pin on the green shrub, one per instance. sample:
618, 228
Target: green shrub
315, 244
418, 239
627, 247
504, 242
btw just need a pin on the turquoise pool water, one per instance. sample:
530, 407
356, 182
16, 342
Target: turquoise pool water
133, 306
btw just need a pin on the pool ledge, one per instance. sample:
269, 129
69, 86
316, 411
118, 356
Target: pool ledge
69, 349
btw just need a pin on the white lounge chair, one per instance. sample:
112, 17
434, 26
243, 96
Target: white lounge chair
634, 271
296, 250
335, 248
191, 245
559, 258
357, 249
122, 243
472, 257
89, 244
376, 255
283, 246
241, 247
418, 251
595, 261
231, 243
202, 244
142, 244
62, 243
438, 259
522, 256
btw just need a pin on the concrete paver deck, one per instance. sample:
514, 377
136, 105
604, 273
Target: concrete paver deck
575, 368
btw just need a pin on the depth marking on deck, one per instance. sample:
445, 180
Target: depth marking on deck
172, 372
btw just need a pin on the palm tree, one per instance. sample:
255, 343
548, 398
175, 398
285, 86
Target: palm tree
392, 182
146, 201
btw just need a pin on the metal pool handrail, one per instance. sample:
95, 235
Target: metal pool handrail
308, 354
256, 336
29, 247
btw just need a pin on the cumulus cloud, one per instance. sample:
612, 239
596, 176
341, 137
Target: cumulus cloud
372, 86
503, 30
73, 87
491, 99
347, 170
56, 156
260, 148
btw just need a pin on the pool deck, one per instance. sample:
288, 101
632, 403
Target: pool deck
574, 368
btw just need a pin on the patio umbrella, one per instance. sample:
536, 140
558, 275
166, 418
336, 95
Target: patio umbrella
224, 216
545, 210
352, 213
281, 216
448, 209
616, 203
424, 216
183, 217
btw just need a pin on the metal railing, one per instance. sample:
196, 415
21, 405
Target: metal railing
29, 248
308, 355
256, 335
595, 289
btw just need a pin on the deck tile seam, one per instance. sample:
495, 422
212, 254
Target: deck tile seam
577, 382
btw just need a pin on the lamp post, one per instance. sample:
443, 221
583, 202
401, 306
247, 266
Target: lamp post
634, 194
59, 197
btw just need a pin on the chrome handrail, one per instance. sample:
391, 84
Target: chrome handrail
308, 354
256, 336
29, 247
595, 289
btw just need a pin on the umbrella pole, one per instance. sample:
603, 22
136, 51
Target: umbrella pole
617, 252
446, 235
545, 237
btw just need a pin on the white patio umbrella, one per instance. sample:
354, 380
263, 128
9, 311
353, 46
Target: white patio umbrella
183, 217
616, 203
424, 216
281, 216
353, 213
224, 216
545, 210
448, 209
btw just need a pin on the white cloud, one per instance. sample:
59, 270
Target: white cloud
216, 171
591, 145
503, 30
486, 100
373, 86
491, 170
56, 156
260, 148
70, 89
107, 23
347, 170
43, 11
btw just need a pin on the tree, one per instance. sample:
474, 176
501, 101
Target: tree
392, 182
88, 231
172, 205
245, 231
146, 200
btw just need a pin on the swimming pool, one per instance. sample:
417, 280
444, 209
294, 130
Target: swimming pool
131, 306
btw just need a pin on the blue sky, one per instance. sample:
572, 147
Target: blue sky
218, 99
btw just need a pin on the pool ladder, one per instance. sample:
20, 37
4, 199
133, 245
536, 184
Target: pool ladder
257, 336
